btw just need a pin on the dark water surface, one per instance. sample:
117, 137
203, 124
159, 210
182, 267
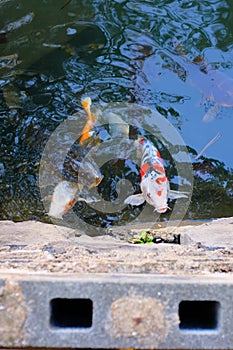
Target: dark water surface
115, 51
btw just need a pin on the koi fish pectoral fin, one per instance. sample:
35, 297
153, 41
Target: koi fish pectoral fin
212, 113
176, 194
88, 200
135, 199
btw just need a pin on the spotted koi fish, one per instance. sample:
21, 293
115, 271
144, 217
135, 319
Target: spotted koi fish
154, 182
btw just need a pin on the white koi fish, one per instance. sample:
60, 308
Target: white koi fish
154, 183
63, 199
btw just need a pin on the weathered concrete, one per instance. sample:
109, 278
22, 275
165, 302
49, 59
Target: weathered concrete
28, 232
41, 248
13, 313
217, 234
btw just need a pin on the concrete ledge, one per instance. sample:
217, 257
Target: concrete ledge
215, 234
34, 247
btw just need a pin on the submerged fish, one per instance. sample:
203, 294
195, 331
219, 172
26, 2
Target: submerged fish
18, 23
215, 85
63, 199
80, 167
154, 183
79, 171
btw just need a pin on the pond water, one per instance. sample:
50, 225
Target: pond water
140, 52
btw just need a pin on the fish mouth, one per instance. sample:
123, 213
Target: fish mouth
161, 210
98, 180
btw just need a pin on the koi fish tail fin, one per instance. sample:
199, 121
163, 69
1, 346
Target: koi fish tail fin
135, 199
177, 194
88, 200
86, 103
87, 130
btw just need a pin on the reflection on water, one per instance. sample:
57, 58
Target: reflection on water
112, 51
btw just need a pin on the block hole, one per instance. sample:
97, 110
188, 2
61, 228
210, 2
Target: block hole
199, 315
76, 313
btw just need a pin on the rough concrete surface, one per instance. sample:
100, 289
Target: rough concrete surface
139, 320
217, 234
36, 247
13, 313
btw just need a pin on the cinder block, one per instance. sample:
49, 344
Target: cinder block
117, 311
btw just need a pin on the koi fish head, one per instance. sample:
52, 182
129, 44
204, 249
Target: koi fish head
155, 190
89, 174
63, 199
81, 168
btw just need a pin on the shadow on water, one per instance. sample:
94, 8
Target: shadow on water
112, 51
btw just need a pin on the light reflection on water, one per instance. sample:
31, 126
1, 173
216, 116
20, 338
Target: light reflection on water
112, 51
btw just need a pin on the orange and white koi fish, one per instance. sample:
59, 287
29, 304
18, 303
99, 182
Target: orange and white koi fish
63, 199
154, 182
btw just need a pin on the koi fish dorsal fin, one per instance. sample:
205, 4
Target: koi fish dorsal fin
176, 194
135, 199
